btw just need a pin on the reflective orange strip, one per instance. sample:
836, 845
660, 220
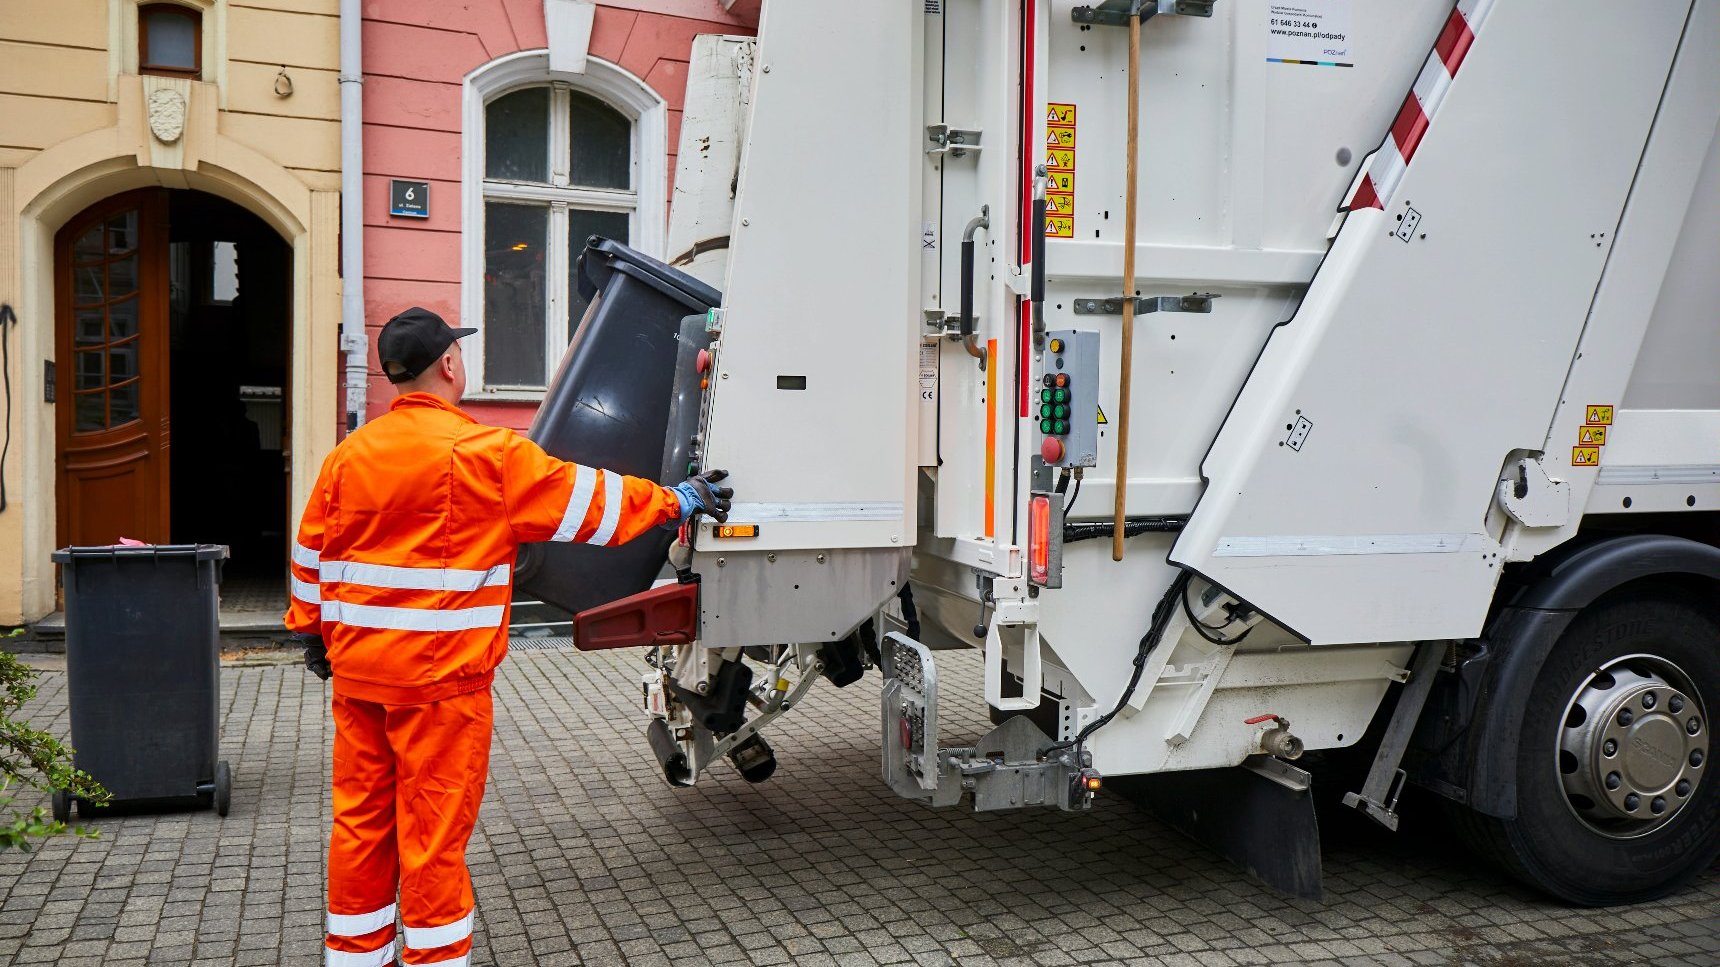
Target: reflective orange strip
991, 438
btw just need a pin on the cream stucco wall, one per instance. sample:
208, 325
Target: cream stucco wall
74, 130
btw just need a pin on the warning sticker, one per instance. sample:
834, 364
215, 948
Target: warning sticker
1061, 182
1592, 436
1598, 415
1059, 226
1585, 456
1102, 420
1060, 115
1060, 159
1060, 137
1058, 203
1313, 33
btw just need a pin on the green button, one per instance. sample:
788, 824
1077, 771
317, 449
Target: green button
1060, 396
1045, 426
1060, 428
1061, 412
1044, 396
1045, 410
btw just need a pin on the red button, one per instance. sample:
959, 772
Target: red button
1051, 449
704, 361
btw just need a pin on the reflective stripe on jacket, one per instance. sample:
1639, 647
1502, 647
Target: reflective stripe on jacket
405, 554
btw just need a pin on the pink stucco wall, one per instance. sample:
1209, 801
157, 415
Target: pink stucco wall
415, 55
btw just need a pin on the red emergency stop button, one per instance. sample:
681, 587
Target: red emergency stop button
1051, 449
703, 364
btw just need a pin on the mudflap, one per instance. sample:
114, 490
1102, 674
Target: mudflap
1259, 815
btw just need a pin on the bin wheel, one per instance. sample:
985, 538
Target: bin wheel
223, 787
62, 806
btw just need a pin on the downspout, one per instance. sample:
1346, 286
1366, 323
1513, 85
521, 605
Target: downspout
352, 338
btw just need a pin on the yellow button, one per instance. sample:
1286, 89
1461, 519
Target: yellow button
1056, 345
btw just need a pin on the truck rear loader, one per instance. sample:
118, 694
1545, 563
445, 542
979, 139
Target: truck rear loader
1244, 379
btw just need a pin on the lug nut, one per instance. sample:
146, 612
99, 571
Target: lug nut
1609, 748
1648, 700
1614, 780
1625, 717
1693, 726
1675, 704
1658, 805
1695, 758
1683, 788
1631, 802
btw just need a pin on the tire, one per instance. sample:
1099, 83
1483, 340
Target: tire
62, 805
1565, 843
223, 787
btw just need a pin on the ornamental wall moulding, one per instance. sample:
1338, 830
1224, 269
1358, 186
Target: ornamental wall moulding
166, 115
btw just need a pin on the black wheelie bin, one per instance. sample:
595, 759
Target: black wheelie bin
143, 662
625, 398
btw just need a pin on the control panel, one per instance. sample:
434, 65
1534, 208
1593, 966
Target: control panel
1068, 400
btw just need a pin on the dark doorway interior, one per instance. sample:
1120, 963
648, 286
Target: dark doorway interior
230, 306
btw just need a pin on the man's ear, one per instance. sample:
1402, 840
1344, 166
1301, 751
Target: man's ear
448, 366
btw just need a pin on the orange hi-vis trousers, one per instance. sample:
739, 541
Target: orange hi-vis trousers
407, 783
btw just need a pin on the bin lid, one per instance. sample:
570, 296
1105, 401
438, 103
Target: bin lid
603, 257
201, 552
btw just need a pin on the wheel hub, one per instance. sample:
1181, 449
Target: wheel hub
1632, 746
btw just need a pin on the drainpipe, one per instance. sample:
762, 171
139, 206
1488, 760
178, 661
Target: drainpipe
352, 338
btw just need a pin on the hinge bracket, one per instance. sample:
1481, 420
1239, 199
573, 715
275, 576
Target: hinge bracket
1116, 13
1193, 302
955, 142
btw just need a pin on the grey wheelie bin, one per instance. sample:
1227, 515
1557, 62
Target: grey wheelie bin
143, 662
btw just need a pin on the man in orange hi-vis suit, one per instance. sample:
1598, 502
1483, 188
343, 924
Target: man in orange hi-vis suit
402, 577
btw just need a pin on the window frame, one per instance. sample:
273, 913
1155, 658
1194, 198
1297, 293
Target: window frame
195, 16
646, 205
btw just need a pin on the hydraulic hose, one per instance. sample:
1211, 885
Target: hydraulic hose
969, 339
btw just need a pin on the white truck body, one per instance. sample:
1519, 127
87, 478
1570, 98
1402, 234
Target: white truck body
1371, 415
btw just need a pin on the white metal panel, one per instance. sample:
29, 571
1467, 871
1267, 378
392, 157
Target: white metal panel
1676, 366
713, 124
1423, 363
823, 288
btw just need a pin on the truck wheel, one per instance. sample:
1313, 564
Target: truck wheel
1616, 801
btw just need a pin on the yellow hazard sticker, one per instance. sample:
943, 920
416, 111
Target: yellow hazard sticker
1102, 420
1598, 415
1060, 182
1585, 456
1060, 159
1592, 436
1059, 226
1060, 115
1058, 203
1060, 137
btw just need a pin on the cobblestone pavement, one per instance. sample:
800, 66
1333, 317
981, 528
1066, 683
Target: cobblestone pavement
583, 855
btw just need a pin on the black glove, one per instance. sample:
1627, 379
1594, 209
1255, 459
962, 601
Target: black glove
710, 498
316, 656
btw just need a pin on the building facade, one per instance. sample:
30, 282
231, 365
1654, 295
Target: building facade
170, 237
169, 229
533, 124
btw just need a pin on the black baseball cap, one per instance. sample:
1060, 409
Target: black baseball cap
412, 341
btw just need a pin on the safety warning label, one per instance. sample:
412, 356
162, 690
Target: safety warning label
1313, 33
1060, 115
1060, 137
1059, 170
1060, 159
1585, 456
1592, 436
1061, 181
1059, 226
1598, 415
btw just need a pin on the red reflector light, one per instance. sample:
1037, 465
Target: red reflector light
1039, 539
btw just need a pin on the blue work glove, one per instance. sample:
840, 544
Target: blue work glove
700, 495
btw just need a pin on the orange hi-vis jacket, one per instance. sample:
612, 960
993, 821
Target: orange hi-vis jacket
405, 555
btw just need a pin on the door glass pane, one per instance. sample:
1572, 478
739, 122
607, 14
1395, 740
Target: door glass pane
90, 374
87, 285
122, 233
90, 325
223, 273
89, 246
122, 362
516, 136
123, 403
92, 412
514, 249
581, 225
602, 142
170, 39
122, 277
122, 319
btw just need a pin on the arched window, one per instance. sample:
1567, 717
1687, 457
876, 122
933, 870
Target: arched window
169, 40
550, 163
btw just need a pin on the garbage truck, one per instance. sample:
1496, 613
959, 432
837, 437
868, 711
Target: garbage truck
1245, 380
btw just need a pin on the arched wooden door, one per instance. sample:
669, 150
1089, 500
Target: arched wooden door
111, 355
